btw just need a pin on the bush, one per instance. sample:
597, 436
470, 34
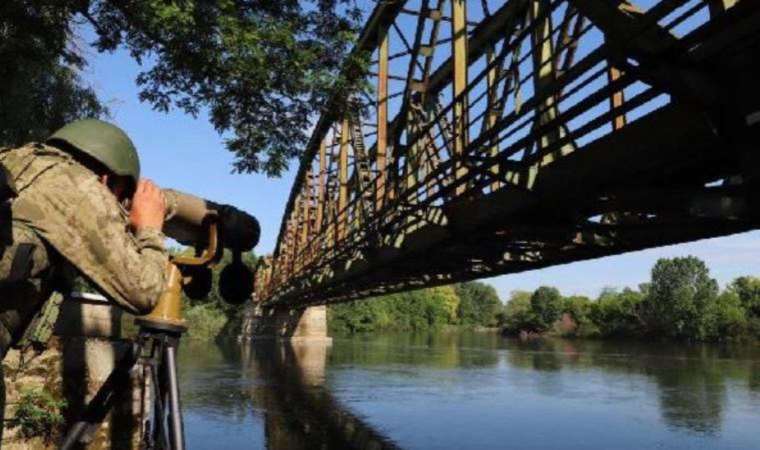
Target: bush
615, 313
471, 304
205, 321
38, 414
579, 309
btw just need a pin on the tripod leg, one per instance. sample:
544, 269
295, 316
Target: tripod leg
175, 418
160, 432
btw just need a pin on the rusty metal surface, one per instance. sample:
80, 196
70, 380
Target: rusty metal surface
511, 135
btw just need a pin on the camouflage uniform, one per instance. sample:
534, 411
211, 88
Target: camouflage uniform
73, 223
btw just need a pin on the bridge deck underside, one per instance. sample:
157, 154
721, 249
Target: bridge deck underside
669, 157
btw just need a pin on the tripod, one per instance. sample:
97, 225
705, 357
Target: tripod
154, 354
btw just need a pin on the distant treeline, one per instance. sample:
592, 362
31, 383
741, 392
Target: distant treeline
467, 304
681, 301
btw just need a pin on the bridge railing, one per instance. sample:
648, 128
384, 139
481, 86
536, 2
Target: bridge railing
471, 100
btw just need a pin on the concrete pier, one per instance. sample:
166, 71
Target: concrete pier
306, 324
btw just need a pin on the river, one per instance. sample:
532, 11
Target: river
469, 390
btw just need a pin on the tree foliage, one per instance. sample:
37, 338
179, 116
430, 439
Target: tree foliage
41, 89
748, 291
261, 69
680, 292
418, 310
546, 305
579, 308
479, 304
615, 313
518, 314
680, 302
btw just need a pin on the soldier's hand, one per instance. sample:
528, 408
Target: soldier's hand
148, 206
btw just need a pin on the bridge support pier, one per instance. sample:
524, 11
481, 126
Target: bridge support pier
304, 324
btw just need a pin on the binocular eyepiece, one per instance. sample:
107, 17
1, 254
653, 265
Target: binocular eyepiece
188, 221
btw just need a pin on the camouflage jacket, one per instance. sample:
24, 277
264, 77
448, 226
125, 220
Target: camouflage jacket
62, 204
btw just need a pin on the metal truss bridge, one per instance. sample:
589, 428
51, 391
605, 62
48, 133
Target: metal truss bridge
504, 136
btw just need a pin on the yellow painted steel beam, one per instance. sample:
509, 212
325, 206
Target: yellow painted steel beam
382, 121
459, 85
321, 184
492, 115
379, 20
616, 99
306, 206
544, 75
343, 180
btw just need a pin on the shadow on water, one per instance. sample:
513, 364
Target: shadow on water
285, 383
300, 412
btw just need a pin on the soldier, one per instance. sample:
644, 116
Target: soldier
67, 217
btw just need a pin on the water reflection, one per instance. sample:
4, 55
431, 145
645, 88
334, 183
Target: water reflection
299, 412
470, 390
691, 380
435, 350
284, 384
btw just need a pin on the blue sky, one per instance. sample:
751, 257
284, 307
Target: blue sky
185, 153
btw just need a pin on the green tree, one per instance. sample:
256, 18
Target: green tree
448, 298
41, 89
546, 305
680, 292
579, 308
518, 313
616, 313
405, 311
724, 317
479, 304
748, 291
262, 69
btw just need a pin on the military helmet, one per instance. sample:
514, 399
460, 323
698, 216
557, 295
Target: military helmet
105, 142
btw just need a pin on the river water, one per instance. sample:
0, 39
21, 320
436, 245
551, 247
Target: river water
469, 390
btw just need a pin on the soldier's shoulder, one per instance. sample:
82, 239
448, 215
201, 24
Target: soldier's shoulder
56, 184
34, 146
33, 157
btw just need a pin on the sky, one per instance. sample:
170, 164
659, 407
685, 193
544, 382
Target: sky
186, 153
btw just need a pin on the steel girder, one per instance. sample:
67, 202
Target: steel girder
505, 136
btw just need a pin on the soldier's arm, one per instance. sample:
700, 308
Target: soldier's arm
92, 232
132, 267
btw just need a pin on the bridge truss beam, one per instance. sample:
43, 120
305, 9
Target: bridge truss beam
509, 135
